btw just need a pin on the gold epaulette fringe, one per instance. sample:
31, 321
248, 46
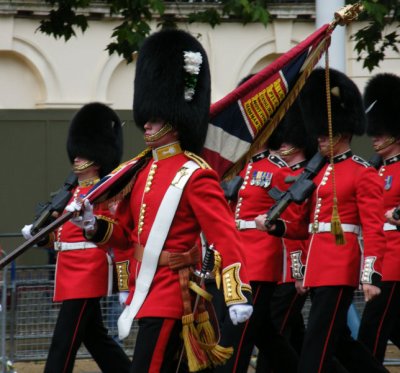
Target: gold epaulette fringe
200, 161
127, 188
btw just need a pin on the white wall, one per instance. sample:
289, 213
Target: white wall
38, 71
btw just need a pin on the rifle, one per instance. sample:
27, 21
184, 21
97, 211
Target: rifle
35, 239
298, 192
57, 204
109, 186
44, 222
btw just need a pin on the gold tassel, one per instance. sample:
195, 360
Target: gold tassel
219, 355
196, 357
216, 353
336, 226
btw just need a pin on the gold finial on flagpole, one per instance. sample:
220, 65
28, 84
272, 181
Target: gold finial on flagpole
347, 14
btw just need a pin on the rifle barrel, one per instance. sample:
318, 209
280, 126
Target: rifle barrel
36, 238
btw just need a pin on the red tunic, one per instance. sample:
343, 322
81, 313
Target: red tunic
80, 273
360, 203
202, 207
390, 177
290, 246
264, 253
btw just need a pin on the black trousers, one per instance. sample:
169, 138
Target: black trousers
352, 355
395, 333
327, 334
258, 331
379, 319
286, 307
80, 321
327, 320
158, 346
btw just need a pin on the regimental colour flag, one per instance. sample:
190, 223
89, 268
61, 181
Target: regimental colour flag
247, 116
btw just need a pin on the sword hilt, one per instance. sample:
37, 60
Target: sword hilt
207, 265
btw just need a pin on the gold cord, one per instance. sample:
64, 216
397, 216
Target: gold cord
336, 227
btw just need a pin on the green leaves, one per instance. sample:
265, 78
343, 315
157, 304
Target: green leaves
246, 11
371, 43
61, 21
374, 40
129, 37
210, 16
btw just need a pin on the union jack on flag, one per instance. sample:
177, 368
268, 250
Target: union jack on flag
247, 116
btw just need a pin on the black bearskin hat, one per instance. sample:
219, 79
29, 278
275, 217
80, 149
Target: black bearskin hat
346, 102
161, 82
95, 133
292, 130
381, 98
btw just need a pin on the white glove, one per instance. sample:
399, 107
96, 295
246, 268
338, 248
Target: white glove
26, 231
122, 296
240, 313
86, 220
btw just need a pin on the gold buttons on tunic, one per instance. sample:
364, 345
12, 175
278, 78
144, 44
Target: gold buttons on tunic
141, 217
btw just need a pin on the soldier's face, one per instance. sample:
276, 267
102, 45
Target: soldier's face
287, 151
84, 167
157, 133
324, 145
385, 145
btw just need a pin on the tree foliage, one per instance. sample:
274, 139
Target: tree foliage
371, 41
375, 39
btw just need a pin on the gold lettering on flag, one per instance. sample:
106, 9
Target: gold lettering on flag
260, 107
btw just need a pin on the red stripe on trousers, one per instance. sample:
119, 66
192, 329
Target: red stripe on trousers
289, 310
330, 331
244, 331
162, 341
383, 319
74, 337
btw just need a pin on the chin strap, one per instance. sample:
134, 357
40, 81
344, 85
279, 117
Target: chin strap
160, 133
388, 141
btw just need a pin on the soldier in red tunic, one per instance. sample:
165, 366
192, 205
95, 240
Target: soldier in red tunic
264, 258
379, 316
332, 271
84, 270
291, 143
173, 198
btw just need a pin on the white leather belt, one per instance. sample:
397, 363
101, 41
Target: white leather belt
326, 227
65, 246
389, 227
245, 224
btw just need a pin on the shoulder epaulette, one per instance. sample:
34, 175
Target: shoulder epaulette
200, 161
277, 161
360, 160
145, 153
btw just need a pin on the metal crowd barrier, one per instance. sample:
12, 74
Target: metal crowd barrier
28, 315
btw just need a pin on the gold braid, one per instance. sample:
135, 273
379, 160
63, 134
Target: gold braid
336, 227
